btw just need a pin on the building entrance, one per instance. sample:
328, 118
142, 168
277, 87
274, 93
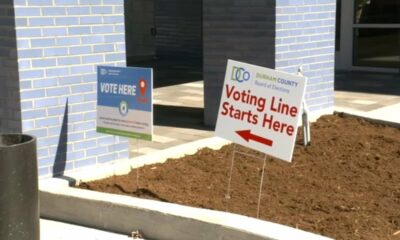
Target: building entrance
165, 35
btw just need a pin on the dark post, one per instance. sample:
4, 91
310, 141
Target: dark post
19, 199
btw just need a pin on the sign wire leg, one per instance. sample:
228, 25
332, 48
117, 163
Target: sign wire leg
261, 184
228, 196
137, 167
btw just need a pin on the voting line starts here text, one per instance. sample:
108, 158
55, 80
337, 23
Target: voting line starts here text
275, 105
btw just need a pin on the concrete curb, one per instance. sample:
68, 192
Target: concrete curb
156, 220
124, 167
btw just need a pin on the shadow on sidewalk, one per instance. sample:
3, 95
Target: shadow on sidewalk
180, 116
172, 72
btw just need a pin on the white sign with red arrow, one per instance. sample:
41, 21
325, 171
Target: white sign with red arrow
260, 108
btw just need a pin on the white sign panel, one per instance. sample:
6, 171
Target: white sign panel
260, 108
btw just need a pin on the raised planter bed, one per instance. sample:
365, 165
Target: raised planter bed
345, 186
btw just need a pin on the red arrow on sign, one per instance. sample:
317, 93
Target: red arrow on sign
247, 135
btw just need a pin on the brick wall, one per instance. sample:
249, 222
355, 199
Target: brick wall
239, 30
305, 35
282, 36
60, 42
139, 20
179, 30
10, 110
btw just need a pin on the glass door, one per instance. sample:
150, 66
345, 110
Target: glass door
369, 35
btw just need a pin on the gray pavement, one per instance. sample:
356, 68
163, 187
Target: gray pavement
373, 95
52, 230
375, 106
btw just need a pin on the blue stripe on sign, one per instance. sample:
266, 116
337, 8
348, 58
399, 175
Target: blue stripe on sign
116, 84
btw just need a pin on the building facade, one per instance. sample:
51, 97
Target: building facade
58, 45
281, 34
52, 48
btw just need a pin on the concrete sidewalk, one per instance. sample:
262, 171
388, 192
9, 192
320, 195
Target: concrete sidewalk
372, 95
52, 230
375, 106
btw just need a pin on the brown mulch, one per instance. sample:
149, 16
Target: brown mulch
346, 185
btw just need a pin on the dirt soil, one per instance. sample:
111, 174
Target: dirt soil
346, 185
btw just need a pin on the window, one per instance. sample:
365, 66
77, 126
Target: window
376, 33
377, 11
377, 47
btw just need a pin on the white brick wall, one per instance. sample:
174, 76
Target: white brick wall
305, 35
60, 43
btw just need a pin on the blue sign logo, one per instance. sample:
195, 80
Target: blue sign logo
240, 74
103, 71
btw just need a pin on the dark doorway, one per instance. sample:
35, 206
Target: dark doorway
167, 36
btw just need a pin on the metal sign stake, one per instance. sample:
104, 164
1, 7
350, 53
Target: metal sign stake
304, 116
228, 196
234, 152
137, 167
260, 190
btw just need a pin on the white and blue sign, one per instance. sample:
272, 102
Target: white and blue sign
260, 108
125, 101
